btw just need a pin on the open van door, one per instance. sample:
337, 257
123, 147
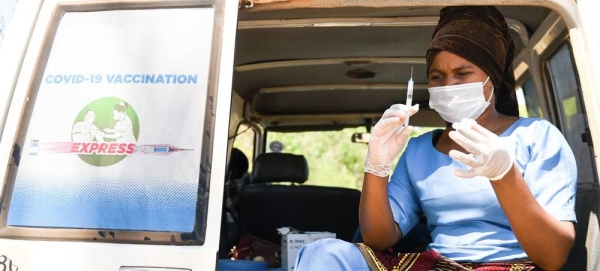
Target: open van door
113, 123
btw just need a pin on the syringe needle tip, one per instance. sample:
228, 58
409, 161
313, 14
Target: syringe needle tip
411, 71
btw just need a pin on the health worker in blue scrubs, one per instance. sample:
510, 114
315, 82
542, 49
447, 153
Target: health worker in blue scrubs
497, 191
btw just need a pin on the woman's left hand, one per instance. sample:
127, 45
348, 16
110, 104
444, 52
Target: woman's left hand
487, 157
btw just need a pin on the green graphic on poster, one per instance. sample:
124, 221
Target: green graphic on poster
107, 130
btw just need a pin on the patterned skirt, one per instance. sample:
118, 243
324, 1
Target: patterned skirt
431, 260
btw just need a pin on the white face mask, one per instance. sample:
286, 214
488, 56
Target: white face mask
457, 102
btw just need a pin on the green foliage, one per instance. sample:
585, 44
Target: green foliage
333, 159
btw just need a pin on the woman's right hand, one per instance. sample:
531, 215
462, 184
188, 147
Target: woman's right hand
388, 137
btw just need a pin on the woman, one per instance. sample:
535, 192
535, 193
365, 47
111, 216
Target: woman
498, 191
123, 130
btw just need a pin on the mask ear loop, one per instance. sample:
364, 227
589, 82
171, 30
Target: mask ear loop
491, 95
487, 79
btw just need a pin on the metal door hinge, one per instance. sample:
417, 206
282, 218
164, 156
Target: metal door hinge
587, 137
16, 154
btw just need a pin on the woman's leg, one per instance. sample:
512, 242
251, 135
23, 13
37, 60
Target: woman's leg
330, 254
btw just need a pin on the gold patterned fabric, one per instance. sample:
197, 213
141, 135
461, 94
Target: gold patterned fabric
431, 260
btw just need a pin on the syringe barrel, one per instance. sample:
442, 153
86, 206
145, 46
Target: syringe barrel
409, 96
161, 149
152, 149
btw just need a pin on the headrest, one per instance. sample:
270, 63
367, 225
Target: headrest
238, 163
279, 167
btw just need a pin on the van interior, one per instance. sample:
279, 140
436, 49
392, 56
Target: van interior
309, 71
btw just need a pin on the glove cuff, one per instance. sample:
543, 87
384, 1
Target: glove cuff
378, 169
503, 168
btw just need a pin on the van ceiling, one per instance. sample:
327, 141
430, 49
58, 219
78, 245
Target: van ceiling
329, 68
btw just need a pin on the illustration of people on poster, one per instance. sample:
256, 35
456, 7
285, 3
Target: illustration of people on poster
86, 130
123, 129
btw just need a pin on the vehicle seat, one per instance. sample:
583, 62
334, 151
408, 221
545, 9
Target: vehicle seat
237, 177
586, 249
265, 205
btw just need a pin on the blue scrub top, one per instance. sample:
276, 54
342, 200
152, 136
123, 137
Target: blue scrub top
464, 216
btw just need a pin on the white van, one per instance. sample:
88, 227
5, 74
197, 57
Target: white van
117, 119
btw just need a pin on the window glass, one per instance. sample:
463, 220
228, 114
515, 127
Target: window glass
531, 104
565, 85
244, 141
113, 139
333, 159
522, 104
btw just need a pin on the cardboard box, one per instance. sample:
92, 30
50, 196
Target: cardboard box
291, 242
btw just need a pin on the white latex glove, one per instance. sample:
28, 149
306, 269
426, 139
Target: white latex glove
388, 137
488, 157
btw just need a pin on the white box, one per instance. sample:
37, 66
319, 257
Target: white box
291, 242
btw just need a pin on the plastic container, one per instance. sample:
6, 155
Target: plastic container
236, 265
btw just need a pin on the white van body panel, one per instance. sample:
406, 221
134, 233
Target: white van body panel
13, 51
19, 60
587, 55
19, 56
53, 255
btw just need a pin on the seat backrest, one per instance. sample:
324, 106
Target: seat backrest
237, 178
265, 206
279, 167
586, 250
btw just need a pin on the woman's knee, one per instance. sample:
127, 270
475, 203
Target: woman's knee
326, 247
329, 253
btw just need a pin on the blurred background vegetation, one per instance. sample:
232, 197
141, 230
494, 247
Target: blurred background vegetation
333, 159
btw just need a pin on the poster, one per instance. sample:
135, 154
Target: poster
114, 139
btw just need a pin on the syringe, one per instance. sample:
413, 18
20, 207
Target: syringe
158, 149
409, 94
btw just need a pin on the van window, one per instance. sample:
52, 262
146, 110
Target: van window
245, 141
112, 139
333, 159
571, 113
532, 104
